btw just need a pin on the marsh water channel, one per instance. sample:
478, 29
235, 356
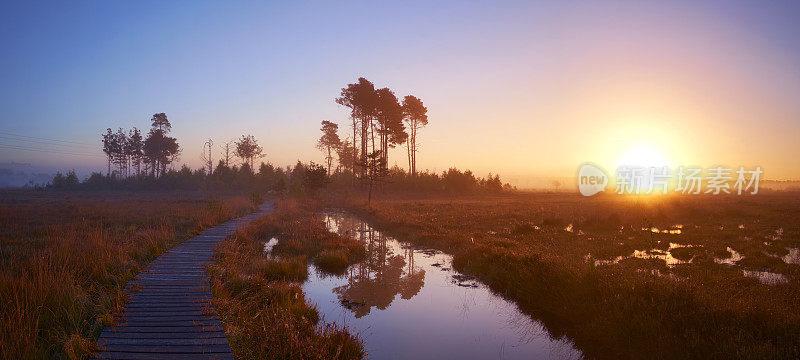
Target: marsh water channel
408, 302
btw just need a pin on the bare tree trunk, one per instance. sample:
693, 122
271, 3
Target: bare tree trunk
414, 151
355, 151
384, 140
386, 148
366, 122
228, 154
413, 148
369, 197
372, 135
408, 147
330, 160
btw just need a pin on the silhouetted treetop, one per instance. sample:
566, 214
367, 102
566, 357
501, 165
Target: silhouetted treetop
413, 109
248, 150
329, 142
415, 114
160, 122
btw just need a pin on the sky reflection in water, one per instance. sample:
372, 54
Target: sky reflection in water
409, 303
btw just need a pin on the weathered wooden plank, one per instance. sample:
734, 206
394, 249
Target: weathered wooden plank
165, 312
172, 311
169, 349
137, 341
167, 302
169, 297
115, 355
142, 305
165, 329
166, 290
162, 335
162, 317
153, 299
178, 276
155, 282
139, 307
170, 323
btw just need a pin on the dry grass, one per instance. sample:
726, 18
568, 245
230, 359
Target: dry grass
538, 250
67, 256
259, 299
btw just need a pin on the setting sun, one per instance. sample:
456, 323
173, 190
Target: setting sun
644, 156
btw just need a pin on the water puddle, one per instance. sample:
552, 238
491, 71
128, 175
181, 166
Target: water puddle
659, 273
793, 257
666, 256
676, 229
408, 302
731, 260
777, 236
766, 277
269, 245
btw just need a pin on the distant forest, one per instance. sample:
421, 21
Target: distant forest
378, 120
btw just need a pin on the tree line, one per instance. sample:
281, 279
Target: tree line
301, 179
378, 119
133, 156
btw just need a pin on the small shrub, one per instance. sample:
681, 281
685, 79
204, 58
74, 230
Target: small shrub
332, 261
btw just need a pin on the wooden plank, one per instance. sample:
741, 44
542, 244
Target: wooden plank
170, 323
142, 307
147, 306
156, 282
162, 335
165, 329
165, 293
115, 355
200, 341
155, 302
174, 297
167, 289
164, 312
168, 317
169, 349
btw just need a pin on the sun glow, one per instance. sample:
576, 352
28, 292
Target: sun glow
644, 156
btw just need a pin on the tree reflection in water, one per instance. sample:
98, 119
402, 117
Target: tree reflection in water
377, 280
453, 316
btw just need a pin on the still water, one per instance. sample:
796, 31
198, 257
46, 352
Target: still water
407, 302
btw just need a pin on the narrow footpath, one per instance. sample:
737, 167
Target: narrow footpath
169, 313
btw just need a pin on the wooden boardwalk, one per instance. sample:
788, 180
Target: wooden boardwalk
169, 313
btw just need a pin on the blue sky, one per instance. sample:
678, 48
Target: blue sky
506, 76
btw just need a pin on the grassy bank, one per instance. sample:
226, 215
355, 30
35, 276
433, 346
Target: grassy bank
67, 256
259, 298
539, 250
